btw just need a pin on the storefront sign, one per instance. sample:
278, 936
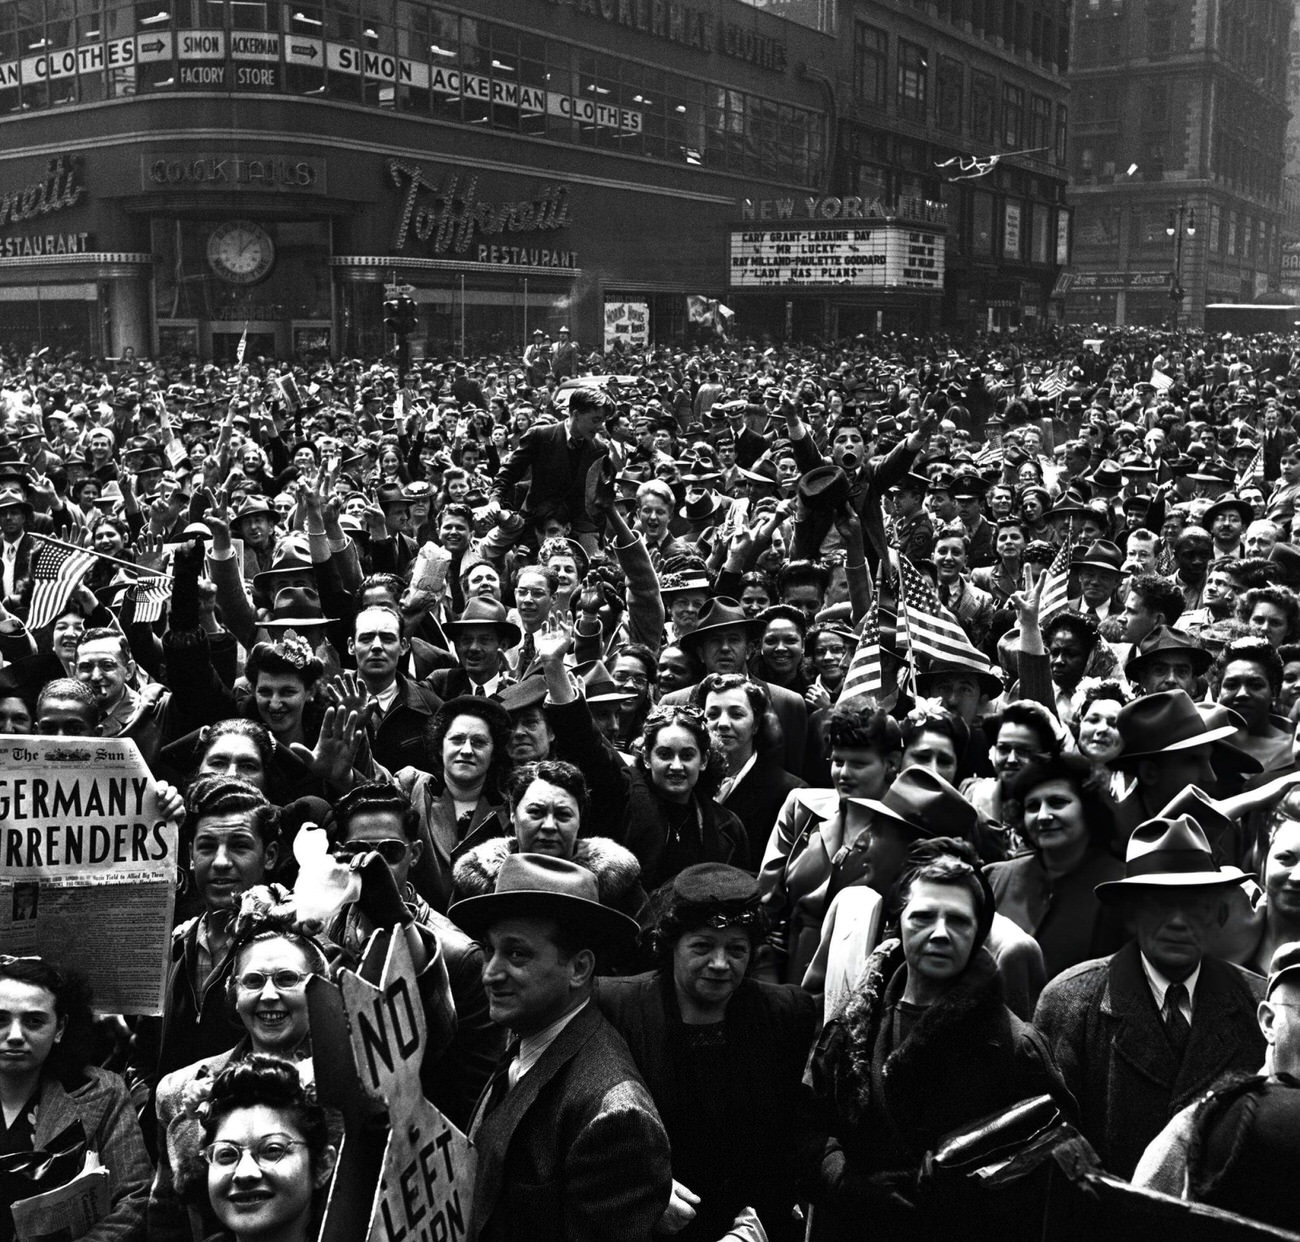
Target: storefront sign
1062, 237
57, 191
1011, 230
449, 215
233, 172
882, 256
28, 244
521, 256
688, 26
627, 323
851, 207
1087, 281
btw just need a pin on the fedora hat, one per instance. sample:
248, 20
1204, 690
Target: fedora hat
539, 886
1157, 724
1220, 831
824, 487
763, 471
1102, 554
671, 584
1167, 853
1108, 474
295, 608
1226, 504
598, 686
1163, 638
392, 494
110, 495
292, 555
720, 613
15, 496
703, 508
990, 684
484, 611
924, 803
528, 691
251, 506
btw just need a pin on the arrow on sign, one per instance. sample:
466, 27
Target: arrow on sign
310, 51
156, 46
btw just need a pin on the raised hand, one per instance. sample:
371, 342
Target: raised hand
555, 639
331, 758
348, 691
148, 550
1027, 601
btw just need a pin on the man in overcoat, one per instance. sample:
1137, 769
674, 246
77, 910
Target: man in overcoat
1140, 1034
570, 1145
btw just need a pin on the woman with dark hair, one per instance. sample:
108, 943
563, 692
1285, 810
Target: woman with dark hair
271, 964
1035, 508
1272, 613
818, 844
779, 657
827, 651
268, 1152
721, 1054
49, 1091
462, 802
738, 712
550, 810
756, 592
1073, 643
671, 819
1069, 824
924, 1047
938, 741
1246, 677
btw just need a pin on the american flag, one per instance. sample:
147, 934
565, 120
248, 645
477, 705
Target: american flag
1056, 586
866, 674
241, 348
1055, 384
57, 571
151, 596
1161, 382
931, 628
1255, 470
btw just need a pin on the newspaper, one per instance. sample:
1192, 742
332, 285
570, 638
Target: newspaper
66, 1212
87, 865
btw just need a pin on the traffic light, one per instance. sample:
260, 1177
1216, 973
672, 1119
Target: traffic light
401, 315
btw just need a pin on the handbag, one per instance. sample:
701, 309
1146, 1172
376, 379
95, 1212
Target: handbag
982, 1149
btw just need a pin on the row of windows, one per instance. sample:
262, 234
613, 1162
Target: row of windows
1004, 114
1038, 29
1230, 233
412, 58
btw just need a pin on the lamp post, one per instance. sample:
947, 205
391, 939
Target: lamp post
1182, 223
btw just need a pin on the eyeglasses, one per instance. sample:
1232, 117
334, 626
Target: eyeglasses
284, 980
266, 1152
630, 679
391, 851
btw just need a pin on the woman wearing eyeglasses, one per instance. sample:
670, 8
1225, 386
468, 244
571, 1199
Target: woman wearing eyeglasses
268, 1153
47, 1086
267, 993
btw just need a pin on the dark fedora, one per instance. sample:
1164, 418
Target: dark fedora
539, 886
924, 803
763, 471
292, 556
392, 494
27, 676
990, 684
1220, 831
1108, 475
720, 613
1228, 504
1102, 554
1157, 724
1163, 638
598, 686
703, 508
294, 608
1167, 853
483, 611
251, 506
824, 488
528, 691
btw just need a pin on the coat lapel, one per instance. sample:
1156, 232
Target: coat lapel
1217, 1021
1141, 1040
55, 1111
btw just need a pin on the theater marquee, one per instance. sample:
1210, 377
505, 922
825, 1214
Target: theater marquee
872, 256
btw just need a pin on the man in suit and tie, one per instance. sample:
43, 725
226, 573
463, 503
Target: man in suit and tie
481, 637
569, 1142
1277, 439
1140, 1034
557, 458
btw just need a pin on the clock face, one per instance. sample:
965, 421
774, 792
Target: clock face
241, 252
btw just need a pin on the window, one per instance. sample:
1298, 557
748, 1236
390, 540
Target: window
912, 80
982, 106
1013, 115
870, 58
1040, 124
949, 88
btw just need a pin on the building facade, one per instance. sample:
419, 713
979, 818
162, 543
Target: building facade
174, 173
959, 109
1176, 156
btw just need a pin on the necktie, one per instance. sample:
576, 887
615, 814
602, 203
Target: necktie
1177, 1028
479, 691
499, 1085
526, 653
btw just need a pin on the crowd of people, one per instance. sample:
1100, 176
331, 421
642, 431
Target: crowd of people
776, 760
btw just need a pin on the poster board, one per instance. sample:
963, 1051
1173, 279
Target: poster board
88, 865
627, 323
